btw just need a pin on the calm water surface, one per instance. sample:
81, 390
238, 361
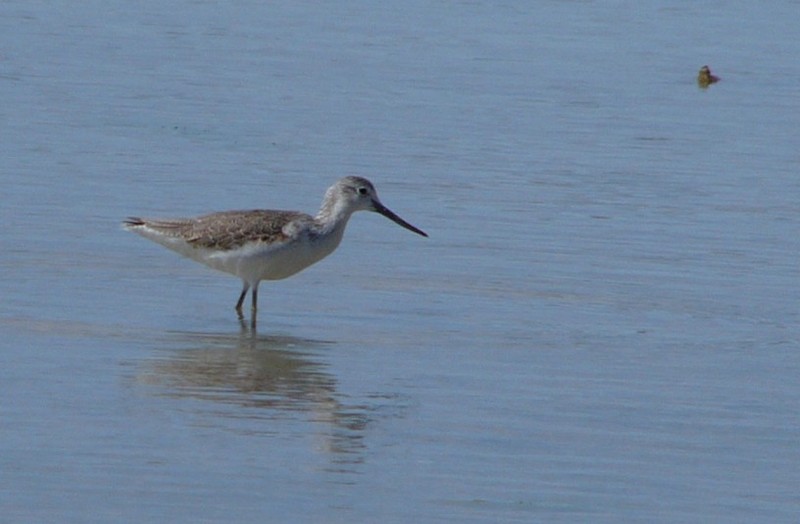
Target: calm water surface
602, 326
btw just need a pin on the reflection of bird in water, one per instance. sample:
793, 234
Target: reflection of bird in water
262, 378
705, 78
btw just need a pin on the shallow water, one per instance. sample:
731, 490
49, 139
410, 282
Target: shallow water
602, 326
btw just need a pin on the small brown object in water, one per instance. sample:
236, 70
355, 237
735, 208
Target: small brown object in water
705, 78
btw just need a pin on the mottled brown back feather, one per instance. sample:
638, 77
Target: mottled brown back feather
228, 229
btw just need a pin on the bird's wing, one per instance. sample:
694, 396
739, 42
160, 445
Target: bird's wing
228, 229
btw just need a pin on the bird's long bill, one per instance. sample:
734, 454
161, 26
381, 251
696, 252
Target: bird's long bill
385, 211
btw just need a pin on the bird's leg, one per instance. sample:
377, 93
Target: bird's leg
254, 294
253, 314
245, 287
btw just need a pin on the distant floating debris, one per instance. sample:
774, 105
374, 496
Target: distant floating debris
705, 78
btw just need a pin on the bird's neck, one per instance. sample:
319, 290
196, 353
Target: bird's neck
332, 216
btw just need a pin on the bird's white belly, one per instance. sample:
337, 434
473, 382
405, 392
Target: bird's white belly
254, 262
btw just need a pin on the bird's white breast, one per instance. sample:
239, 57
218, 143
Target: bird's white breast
272, 261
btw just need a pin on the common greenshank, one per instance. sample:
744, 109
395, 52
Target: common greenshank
262, 244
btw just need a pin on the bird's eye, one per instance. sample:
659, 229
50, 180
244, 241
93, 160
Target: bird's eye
362, 190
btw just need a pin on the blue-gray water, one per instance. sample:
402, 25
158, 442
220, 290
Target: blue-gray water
602, 326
